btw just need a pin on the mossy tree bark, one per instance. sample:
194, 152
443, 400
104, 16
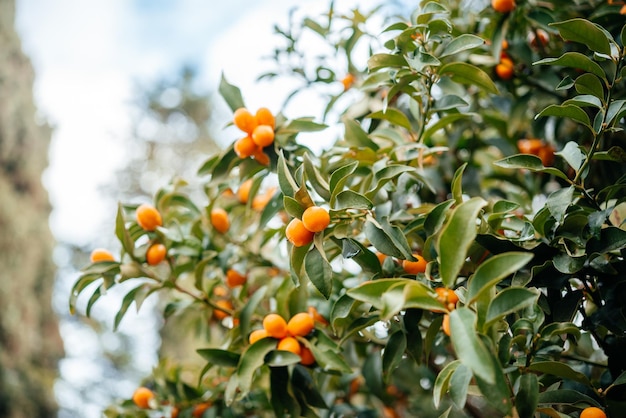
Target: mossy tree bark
30, 345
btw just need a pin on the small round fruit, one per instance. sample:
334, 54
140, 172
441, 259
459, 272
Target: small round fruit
244, 191
155, 254
297, 233
306, 356
101, 254
347, 81
261, 157
148, 217
142, 397
275, 325
415, 267
199, 409
221, 314
263, 135
256, 335
446, 296
219, 220
505, 70
445, 325
315, 218
289, 344
300, 325
244, 120
592, 412
503, 6
245, 147
234, 278
265, 117
529, 145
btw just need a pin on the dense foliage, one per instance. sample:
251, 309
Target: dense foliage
474, 260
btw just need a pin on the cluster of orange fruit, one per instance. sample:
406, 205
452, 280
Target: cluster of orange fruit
286, 332
449, 299
301, 232
505, 69
259, 129
148, 218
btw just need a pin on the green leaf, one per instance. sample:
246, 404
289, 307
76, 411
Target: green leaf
457, 184
218, 357
246, 314
231, 94
569, 111
562, 370
462, 43
339, 177
392, 115
397, 237
559, 328
286, 181
370, 291
565, 397
281, 358
528, 162
135, 295
316, 179
437, 216
392, 356
584, 32
456, 238
378, 61
319, 271
295, 126
575, 60
293, 207
442, 382
356, 136
252, 359
559, 201
509, 300
122, 233
442, 122
464, 73
381, 240
459, 385
584, 100
493, 270
573, 154
468, 346
590, 84
303, 381
348, 199
610, 239
527, 395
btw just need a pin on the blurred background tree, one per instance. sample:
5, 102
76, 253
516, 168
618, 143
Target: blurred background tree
30, 345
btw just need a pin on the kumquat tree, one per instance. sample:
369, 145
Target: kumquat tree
457, 251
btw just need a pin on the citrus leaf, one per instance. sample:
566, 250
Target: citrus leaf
218, 357
319, 271
464, 73
509, 300
231, 94
584, 32
392, 115
378, 61
461, 43
442, 382
556, 368
493, 270
527, 395
575, 60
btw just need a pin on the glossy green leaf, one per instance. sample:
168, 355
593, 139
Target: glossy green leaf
339, 177
464, 73
590, 84
569, 111
348, 199
327, 359
219, 357
317, 180
509, 300
252, 359
559, 328
293, 207
573, 154
468, 346
528, 162
565, 397
493, 270
459, 385
616, 154
319, 271
378, 61
527, 395
381, 240
286, 182
298, 125
437, 216
584, 100
370, 291
559, 369
442, 382
559, 201
393, 116
610, 239
281, 358
457, 184
392, 356
461, 43
304, 382
456, 237
584, 32
122, 233
231, 94
575, 60
246, 314
449, 101
136, 295
397, 237
441, 123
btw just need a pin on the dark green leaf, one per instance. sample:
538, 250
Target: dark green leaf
565, 397
339, 176
575, 60
509, 300
231, 94
442, 382
437, 216
527, 395
584, 32
218, 357
493, 270
570, 111
394, 351
319, 271
528, 162
611, 239
590, 84
562, 370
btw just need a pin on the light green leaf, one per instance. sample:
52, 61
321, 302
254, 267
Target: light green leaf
509, 300
316, 179
437, 216
573, 154
349, 199
462, 43
493, 270
339, 177
442, 382
584, 32
252, 359
378, 61
459, 385
456, 238
319, 271
464, 73
528, 162
457, 183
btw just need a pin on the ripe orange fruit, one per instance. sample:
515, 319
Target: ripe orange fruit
592, 412
244, 120
220, 291
381, 257
447, 297
315, 218
234, 278
155, 254
257, 335
505, 69
219, 220
503, 6
505, 44
263, 135
297, 233
142, 397
199, 409
275, 325
148, 217
415, 267
546, 154
245, 147
529, 146
306, 356
265, 117
445, 325
347, 81
300, 325
261, 157
244, 191
312, 311
289, 344
221, 314
101, 254
260, 201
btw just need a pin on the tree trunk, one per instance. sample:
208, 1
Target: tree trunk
30, 345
